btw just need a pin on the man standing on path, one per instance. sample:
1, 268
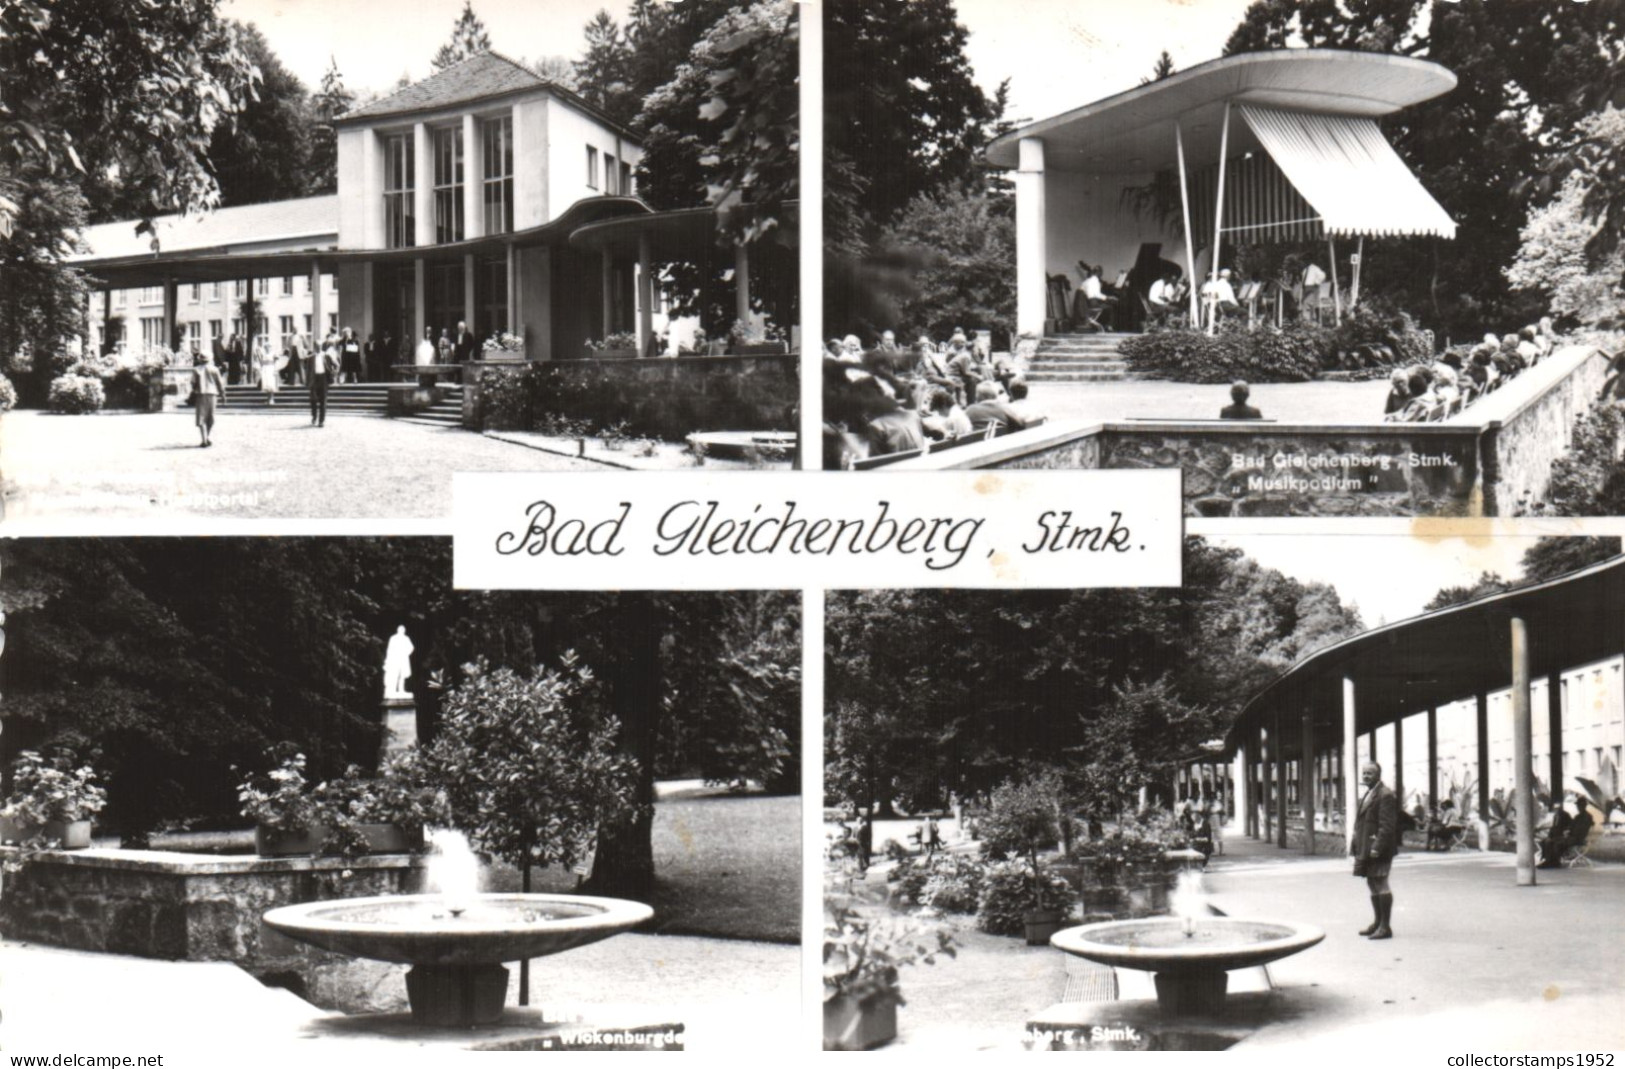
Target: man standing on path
323, 364
1375, 842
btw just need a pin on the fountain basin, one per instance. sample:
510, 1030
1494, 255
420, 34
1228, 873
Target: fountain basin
1190, 957
456, 978
421, 930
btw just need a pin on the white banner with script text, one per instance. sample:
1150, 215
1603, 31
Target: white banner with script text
776, 530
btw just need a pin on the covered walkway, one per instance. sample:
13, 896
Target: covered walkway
1298, 743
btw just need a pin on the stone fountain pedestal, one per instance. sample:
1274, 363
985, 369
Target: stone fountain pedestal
516, 1029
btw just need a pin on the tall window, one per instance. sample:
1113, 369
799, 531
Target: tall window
626, 178
498, 173
286, 323
237, 325
448, 184
610, 171
194, 333
491, 296
238, 289
592, 167
307, 324
287, 285
399, 224
216, 329
196, 294
214, 291
262, 287
119, 296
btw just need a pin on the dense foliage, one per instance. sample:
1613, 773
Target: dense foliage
937, 692
964, 246
1293, 354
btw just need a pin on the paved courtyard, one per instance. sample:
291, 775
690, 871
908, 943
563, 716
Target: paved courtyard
123, 466
1285, 402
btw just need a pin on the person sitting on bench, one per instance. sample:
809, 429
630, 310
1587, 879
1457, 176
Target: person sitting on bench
1442, 828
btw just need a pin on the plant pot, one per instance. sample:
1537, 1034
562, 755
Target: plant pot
852, 1023
392, 838
612, 354
300, 842
1041, 924
71, 834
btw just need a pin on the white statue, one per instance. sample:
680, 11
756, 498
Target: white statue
397, 664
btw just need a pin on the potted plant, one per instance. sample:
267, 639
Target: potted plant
622, 345
1023, 820
862, 956
52, 800
503, 346
289, 820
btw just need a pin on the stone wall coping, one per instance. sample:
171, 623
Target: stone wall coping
1052, 435
180, 863
1511, 401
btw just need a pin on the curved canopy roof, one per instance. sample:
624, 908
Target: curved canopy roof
1445, 656
1133, 131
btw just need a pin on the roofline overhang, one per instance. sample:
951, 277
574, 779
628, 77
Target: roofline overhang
566, 96
1003, 151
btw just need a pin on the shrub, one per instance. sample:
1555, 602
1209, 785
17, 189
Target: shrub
1007, 896
505, 395
8, 395
1136, 842
894, 850
1588, 479
1295, 353
73, 394
910, 878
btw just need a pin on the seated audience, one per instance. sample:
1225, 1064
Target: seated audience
1021, 406
1423, 400
1527, 348
1442, 828
1238, 408
1399, 393
989, 406
943, 417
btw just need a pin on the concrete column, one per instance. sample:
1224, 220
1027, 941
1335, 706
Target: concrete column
1351, 768
1032, 253
1399, 759
513, 291
646, 295
608, 279
470, 277
473, 172
1249, 789
1306, 781
423, 185
1483, 736
1239, 793
420, 311
742, 282
171, 302
1523, 774
318, 326
1279, 748
107, 320
1266, 782
1554, 733
1433, 759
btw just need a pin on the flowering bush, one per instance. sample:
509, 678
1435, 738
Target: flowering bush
1136, 842
400, 794
862, 954
955, 884
8, 395
1295, 353
75, 394
52, 789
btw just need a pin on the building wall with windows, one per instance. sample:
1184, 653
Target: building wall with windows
206, 310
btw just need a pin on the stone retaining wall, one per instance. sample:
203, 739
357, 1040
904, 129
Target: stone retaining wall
664, 398
192, 907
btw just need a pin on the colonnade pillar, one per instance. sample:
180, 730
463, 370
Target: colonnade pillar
1523, 774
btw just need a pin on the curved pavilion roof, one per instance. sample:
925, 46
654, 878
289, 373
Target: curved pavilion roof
1444, 656
1133, 131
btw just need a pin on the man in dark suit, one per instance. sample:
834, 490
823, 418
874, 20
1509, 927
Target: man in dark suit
1374, 844
463, 345
989, 406
1238, 408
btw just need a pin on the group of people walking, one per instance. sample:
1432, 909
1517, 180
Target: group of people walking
340, 357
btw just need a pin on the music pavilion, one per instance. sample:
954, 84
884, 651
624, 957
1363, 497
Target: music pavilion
483, 193
1298, 743
1259, 147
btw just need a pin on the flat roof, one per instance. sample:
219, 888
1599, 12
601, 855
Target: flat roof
1133, 131
1444, 656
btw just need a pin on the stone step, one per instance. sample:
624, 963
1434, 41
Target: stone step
1075, 376
1068, 359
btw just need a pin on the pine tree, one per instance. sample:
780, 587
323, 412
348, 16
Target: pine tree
1163, 68
603, 74
468, 38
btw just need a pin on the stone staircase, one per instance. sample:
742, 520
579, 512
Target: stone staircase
1078, 358
351, 398
446, 412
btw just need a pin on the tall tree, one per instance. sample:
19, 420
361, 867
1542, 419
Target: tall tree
903, 113
1163, 68
468, 38
603, 74
332, 101
264, 153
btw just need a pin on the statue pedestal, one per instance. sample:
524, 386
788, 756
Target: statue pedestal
400, 725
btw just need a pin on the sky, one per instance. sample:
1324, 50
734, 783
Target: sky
1060, 54
1390, 577
374, 41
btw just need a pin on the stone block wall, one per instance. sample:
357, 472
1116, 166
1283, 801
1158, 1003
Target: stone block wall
1522, 447
664, 398
193, 907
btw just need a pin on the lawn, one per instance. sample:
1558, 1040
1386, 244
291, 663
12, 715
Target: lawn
728, 866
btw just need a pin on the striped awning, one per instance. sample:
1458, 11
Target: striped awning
1346, 170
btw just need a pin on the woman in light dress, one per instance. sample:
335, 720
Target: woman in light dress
265, 366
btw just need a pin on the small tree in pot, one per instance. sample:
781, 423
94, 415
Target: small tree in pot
1023, 819
52, 800
862, 956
